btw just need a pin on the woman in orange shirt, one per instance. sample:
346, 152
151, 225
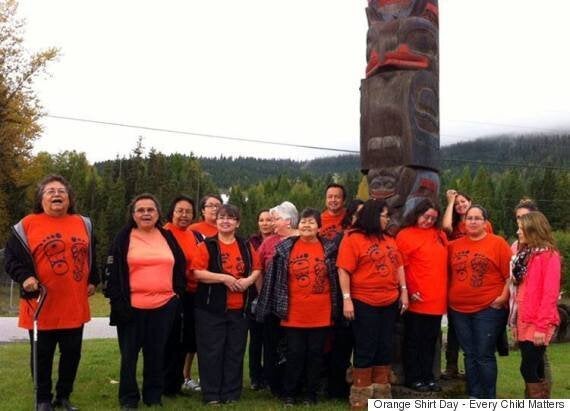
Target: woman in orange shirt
145, 278
424, 249
54, 246
209, 206
478, 294
225, 267
372, 280
181, 345
302, 281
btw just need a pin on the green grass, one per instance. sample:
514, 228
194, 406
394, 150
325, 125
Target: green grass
96, 385
99, 305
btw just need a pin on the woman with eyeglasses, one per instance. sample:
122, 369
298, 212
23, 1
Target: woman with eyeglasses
535, 274
478, 296
424, 249
181, 345
373, 285
54, 247
225, 267
209, 205
146, 275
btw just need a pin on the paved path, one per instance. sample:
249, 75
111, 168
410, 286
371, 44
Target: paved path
96, 328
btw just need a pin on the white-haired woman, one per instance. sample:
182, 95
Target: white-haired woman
285, 219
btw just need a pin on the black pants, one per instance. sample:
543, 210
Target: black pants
420, 337
221, 342
149, 330
174, 355
272, 354
305, 351
373, 329
255, 352
532, 361
69, 341
338, 360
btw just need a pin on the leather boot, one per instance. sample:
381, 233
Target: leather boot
535, 389
381, 381
546, 388
361, 389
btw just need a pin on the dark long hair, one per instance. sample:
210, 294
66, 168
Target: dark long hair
38, 208
368, 220
411, 218
456, 218
350, 211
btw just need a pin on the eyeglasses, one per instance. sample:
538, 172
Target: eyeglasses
385, 216
212, 206
227, 217
183, 211
54, 191
148, 210
429, 217
474, 219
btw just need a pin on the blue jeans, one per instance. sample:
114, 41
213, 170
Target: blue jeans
477, 334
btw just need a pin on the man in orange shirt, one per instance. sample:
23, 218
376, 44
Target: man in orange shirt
331, 218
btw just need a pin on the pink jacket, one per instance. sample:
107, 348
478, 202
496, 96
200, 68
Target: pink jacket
539, 305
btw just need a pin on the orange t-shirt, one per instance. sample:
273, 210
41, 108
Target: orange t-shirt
460, 231
425, 262
331, 224
60, 250
232, 264
479, 270
187, 242
372, 264
151, 264
309, 287
204, 228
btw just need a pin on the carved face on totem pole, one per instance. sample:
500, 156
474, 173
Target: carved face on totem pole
400, 103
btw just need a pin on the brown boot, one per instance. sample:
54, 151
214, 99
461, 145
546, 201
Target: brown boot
546, 388
535, 389
381, 381
361, 390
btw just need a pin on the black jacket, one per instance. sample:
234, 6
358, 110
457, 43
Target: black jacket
213, 297
117, 288
19, 263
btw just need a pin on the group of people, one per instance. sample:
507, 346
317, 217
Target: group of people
320, 293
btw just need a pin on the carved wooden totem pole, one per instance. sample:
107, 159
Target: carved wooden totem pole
399, 123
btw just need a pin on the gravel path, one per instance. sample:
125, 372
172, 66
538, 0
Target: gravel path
96, 328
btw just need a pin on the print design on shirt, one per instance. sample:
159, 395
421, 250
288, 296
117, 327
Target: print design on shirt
79, 252
227, 265
480, 265
379, 260
459, 264
330, 232
299, 267
54, 250
321, 278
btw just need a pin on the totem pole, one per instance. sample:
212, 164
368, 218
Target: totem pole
399, 107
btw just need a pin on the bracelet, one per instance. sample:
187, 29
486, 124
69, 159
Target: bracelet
403, 287
345, 296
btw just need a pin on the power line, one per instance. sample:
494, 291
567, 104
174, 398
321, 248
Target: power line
251, 140
191, 133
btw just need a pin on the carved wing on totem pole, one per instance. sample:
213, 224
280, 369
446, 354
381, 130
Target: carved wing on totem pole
399, 123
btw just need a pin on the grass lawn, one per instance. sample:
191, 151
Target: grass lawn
96, 385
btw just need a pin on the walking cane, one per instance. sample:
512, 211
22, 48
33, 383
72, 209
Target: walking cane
41, 300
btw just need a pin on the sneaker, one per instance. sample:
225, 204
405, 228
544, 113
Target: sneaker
191, 385
433, 386
418, 386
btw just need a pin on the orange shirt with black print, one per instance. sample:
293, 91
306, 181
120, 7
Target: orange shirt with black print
331, 224
187, 242
60, 250
425, 263
372, 264
309, 287
478, 272
232, 264
204, 228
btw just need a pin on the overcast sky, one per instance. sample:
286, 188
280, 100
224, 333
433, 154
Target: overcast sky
282, 71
